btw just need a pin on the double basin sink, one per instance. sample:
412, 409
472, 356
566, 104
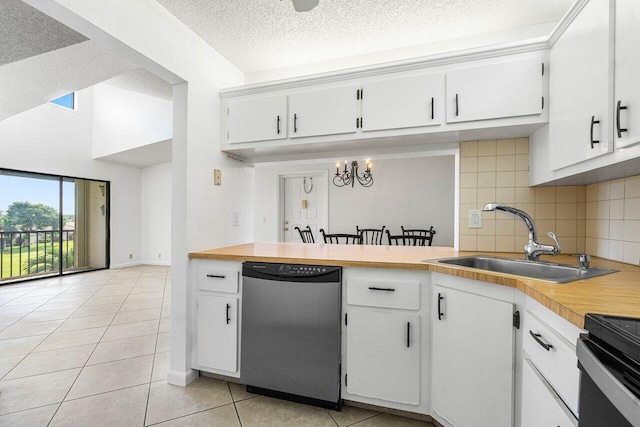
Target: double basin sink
540, 270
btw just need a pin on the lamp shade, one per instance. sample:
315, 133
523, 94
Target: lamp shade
304, 5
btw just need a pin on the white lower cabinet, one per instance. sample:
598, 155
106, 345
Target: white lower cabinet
383, 355
218, 332
472, 358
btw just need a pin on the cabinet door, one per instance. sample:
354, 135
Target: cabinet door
579, 88
383, 355
627, 90
257, 119
323, 112
540, 405
403, 103
218, 332
472, 372
507, 89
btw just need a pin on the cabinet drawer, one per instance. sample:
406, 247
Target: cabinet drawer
218, 280
554, 357
384, 294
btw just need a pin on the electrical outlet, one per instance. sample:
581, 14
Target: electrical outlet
475, 219
130, 256
159, 255
236, 219
217, 177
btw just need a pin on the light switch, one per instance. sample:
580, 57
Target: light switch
217, 177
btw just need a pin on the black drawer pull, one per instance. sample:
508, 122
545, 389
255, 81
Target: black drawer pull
228, 318
408, 334
373, 288
278, 124
539, 341
456, 105
295, 123
618, 128
216, 276
593, 122
432, 108
440, 313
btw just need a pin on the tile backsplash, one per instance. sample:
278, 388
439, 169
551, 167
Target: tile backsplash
600, 219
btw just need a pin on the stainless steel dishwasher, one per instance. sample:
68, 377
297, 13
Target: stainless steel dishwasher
291, 332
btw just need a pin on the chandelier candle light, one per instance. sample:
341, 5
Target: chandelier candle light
349, 177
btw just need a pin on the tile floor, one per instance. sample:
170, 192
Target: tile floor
91, 349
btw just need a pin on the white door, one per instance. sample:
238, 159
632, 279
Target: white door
257, 119
472, 371
402, 103
323, 112
627, 65
217, 332
383, 355
305, 202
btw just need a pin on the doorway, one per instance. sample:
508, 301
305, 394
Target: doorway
304, 201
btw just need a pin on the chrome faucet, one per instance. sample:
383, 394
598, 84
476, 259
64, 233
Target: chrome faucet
533, 249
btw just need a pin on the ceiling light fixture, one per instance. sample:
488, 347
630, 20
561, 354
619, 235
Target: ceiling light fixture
304, 5
349, 177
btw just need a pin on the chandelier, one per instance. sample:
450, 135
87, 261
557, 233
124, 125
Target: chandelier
349, 177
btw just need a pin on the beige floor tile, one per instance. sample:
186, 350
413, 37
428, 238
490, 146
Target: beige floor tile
164, 342
117, 408
136, 316
350, 415
87, 322
6, 320
142, 304
52, 361
114, 290
123, 349
45, 315
225, 416
105, 299
131, 330
94, 310
59, 305
146, 296
35, 391
160, 366
22, 309
8, 363
165, 324
265, 411
111, 376
167, 402
388, 420
239, 392
19, 329
71, 339
29, 299
16, 346
30, 418
166, 311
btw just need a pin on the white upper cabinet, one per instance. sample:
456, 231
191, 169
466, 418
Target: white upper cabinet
506, 89
580, 86
627, 63
323, 112
403, 102
257, 119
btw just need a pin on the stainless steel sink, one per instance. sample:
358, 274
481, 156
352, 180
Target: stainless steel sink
556, 273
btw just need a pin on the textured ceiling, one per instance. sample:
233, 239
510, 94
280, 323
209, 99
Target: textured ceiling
26, 32
142, 81
259, 35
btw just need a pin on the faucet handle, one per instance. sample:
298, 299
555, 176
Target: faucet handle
555, 239
583, 260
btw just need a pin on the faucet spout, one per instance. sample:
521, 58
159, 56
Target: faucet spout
532, 249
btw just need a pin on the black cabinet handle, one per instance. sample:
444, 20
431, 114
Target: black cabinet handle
618, 128
408, 334
432, 101
456, 105
373, 288
539, 341
593, 122
216, 276
228, 318
278, 125
295, 123
440, 313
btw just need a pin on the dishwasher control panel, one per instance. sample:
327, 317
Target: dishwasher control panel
291, 271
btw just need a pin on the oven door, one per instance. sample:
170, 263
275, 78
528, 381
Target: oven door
604, 398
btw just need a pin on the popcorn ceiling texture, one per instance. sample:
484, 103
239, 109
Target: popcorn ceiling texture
257, 35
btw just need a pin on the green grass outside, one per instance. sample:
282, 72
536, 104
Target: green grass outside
17, 264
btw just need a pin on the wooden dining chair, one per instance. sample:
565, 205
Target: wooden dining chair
371, 236
428, 233
407, 240
306, 235
347, 239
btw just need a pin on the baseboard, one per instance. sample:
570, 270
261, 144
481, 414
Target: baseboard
182, 379
124, 265
166, 264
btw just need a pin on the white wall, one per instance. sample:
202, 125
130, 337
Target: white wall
52, 139
123, 119
414, 192
156, 214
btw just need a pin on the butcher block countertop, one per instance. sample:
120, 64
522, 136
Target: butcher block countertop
615, 294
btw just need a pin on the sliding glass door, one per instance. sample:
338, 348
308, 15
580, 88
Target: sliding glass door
51, 225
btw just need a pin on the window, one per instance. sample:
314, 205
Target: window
67, 101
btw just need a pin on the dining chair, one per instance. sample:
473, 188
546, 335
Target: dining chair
371, 236
428, 233
408, 240
339, 238
306, 235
